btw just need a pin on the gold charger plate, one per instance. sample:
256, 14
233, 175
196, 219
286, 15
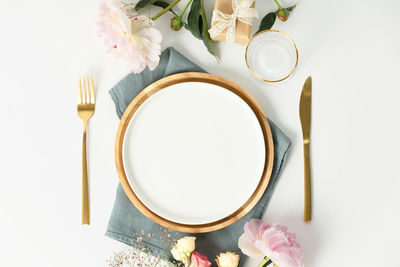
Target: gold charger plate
204, 78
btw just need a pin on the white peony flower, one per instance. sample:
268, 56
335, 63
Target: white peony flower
132, 38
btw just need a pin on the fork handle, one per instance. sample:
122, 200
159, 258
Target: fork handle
85, 187
307, 182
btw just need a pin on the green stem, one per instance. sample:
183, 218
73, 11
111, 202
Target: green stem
279, 5
162, 12
266, 261
187, 263
183, 11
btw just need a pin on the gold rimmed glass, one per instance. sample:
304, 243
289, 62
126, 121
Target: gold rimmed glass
271, 55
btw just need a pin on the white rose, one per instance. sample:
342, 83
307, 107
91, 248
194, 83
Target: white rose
227, 259
177, 254
186, 245
183, 248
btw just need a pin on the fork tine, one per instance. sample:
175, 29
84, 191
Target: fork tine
87, 90
92, 96
84, 90
80, 91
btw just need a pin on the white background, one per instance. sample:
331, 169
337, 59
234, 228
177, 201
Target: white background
352, 51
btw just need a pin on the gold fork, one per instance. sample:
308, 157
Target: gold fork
86, 103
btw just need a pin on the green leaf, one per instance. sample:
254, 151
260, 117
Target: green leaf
267, 22
163, 5
198, 26
143, 3
193, 19
291, 8
205, 34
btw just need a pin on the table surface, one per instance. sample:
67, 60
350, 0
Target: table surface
351, 49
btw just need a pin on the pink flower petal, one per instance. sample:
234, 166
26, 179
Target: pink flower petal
273, 241
249, 249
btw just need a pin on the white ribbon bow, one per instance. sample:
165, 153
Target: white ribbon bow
242, 11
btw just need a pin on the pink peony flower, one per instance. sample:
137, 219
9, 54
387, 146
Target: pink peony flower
199, 260
132, 38
273, 241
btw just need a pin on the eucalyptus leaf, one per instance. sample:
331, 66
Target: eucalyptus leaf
163, 4
197, 24
143, 3
291, 8
267, 22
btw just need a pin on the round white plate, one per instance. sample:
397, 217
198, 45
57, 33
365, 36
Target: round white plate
194, 153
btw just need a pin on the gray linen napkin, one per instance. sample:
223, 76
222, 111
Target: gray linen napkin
126, 220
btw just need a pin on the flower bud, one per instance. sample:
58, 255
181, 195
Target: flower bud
283, 14
176, 23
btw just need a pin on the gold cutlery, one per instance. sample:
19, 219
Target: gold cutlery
305, 119
86, 103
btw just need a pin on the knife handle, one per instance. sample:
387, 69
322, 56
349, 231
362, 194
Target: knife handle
307, 181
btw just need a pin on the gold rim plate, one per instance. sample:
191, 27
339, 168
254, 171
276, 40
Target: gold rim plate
204, 78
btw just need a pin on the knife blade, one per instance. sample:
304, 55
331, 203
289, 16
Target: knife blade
305, 119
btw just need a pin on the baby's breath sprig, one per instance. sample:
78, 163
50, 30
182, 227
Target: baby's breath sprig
141, 255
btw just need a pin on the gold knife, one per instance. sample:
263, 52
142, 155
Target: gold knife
305, 119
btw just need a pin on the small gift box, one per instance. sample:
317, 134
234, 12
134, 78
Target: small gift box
232, 20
